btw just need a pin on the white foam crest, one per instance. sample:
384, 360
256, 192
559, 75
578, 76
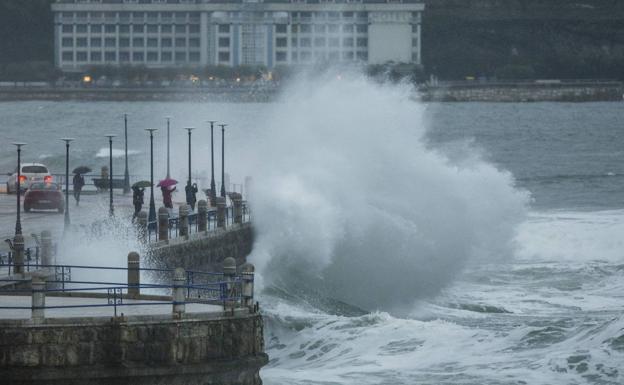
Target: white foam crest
347, 192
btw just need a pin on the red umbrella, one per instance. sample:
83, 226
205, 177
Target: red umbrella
167, 182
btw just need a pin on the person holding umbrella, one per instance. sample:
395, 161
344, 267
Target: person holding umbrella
167, 187
191, 197
79, 181
138, 190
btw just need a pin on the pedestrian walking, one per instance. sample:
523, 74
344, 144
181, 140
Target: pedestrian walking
137, 200
166, 192
191, 194
78, 183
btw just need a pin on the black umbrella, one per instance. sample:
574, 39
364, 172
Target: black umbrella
81, 170
142, 184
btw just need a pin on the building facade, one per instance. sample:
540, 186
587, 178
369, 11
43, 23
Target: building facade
166, 33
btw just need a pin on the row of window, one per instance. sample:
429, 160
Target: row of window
136, 28
322, 42
322, 28
307, 56
124, 56
125, 42
153, 16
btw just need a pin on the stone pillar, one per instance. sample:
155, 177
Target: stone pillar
179, 281
237, 203
247, 272
248, 187
202, 218
46, 248
183, 222
229, 276
134, 275
18, 254
38, 299
142, 226
163, 224
221, 208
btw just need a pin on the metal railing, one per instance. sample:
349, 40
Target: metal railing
32, 259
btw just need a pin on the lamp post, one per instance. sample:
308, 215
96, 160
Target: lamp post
111, 209
67, 221
126, 188
223, 159
151, 218
18, 223
213, 192
168, 125
189, 129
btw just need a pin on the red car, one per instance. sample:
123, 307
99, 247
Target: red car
44, 196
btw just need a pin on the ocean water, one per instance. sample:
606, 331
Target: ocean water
400, 242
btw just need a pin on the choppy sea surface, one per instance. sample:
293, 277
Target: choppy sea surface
400, 242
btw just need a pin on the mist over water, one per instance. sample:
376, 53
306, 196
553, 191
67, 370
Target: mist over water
352, 203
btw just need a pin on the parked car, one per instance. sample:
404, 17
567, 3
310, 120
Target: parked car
30, 173
44, 196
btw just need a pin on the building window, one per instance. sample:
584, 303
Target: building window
152, 56
319, 28
361, 28
294, 28
362, 42
414, 28
293, 42
124, 29
224, 42
96, 56
306, 56
224, 56
137, 28
319, 55
280, 56
347, 42
180, 56
68, 56
414, 42
347, 28
67, 15
180, 42
124, 16
81, 56
305, 42
294, 56
110, 28
280, 28
110, 42
137, 42
180, 16
152, 28
124, 42
166, 16
362, 55
165, 29
224, 28
194, 28
194, 42
194, 57
166, 56
334, 42
319, 42
333, 55
124, 56
166, 42
137, 56
281, 42
81, 28
152, 16
68, 28
81, 42
68, 42
110, 56
332, 28
180, 28
96, 42
137, 16
347, 15
347, 55
96, 28
152, 42
306, 28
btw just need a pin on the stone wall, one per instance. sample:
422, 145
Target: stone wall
204, 251
525, 92
148, 350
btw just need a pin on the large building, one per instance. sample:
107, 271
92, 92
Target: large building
165, 33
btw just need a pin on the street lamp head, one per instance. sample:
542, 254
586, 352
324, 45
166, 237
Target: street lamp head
18, 144
67, 140
151, 130
189, 129
211, 121
110, 136
223, 126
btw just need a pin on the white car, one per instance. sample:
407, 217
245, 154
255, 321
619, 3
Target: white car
31, 172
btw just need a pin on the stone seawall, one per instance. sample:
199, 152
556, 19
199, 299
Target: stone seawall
204, 251
147, 350
525, 92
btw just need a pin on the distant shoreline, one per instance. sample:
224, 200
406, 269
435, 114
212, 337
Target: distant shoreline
469, 91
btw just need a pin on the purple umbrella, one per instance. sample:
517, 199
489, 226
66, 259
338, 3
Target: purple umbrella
167, 182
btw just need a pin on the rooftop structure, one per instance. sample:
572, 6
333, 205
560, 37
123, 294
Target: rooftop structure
165, 33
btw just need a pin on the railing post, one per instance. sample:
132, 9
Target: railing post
37, 286
142, 226
179, 281
247, 272
202, 211
163, 224
46, 248
221, 212
237, 203
183, 222
134, 275
18, 254
229, 276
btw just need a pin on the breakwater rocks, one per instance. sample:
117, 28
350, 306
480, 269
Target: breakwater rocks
524, 92
147, 350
